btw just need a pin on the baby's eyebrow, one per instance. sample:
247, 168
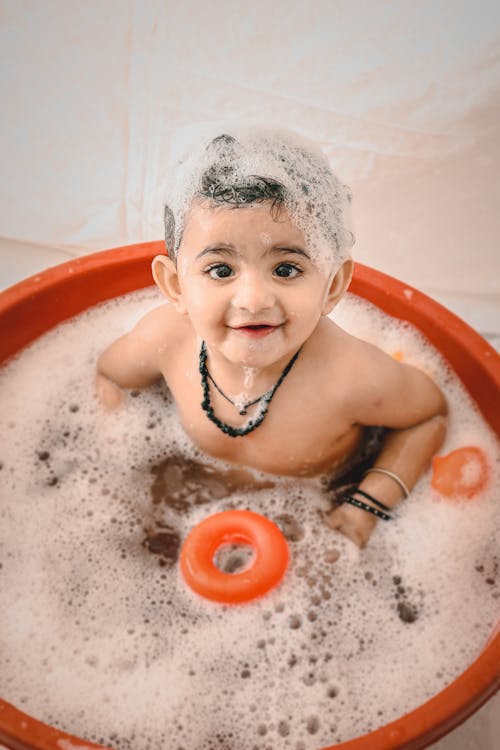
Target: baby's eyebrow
225, 249
231, 250
289, 249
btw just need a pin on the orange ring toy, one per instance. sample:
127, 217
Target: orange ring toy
234, 527
462, 473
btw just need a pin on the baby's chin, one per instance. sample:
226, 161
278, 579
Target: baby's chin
255, 356
256, 353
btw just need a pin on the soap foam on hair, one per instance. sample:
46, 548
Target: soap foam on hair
102, 640
316, 200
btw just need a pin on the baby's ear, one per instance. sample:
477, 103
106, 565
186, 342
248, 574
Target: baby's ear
338, 286
167, 280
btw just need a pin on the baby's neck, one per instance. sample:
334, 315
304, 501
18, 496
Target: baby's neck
239, 380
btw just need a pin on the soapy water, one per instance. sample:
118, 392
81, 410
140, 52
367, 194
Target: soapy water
101, 637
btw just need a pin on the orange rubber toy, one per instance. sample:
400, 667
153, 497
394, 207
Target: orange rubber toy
265, 571
462, 473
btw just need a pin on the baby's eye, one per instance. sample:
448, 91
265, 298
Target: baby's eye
287, 271
219, 271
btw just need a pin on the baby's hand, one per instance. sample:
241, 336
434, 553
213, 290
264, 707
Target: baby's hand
354, 523
108, 393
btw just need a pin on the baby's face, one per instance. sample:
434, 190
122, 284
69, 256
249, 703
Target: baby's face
248, 283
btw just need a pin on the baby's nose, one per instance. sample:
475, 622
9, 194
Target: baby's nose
253, 293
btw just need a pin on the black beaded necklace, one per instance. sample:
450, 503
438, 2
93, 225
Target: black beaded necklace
265, 399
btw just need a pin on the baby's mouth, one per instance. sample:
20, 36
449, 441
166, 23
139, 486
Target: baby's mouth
256, 330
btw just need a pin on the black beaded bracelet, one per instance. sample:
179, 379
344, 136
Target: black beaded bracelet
374, 500
364, 506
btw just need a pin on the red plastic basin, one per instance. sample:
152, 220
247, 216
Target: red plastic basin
32, 307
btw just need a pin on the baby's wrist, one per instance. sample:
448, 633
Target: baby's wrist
366, 502
361, 518
383, 488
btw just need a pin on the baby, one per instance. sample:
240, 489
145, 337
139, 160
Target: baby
258, 256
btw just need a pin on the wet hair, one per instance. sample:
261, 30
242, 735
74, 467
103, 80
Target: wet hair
290, 175
221, 185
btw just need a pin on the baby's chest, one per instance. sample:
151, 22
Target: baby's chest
298, 435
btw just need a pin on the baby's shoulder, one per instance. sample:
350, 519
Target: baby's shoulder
342, 349
357, 364
157, 334
162, 326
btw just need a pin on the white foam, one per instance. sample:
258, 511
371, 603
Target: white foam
317, 201
101, 640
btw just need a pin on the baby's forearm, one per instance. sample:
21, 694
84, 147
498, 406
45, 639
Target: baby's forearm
129, 362
406, 453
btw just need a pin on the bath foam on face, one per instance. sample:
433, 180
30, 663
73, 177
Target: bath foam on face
102, 638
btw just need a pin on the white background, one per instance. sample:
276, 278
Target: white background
404, 96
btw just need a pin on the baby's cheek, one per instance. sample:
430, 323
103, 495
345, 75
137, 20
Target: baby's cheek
198, 301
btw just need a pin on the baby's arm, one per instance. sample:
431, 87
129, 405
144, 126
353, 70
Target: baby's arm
406, 400
133, 360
